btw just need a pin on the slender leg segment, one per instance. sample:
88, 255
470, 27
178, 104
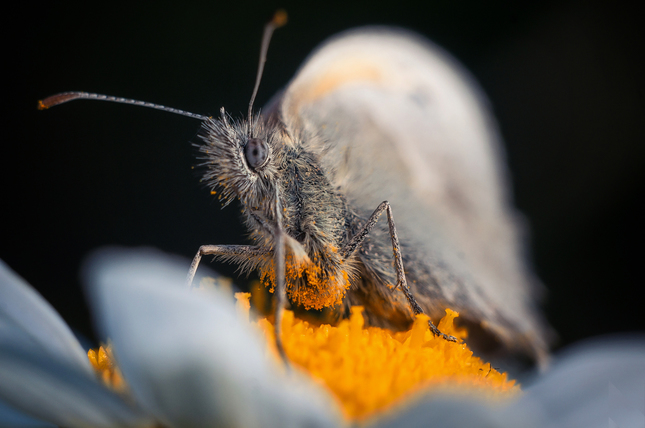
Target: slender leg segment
402, 283
280, 285
224, 251
280, 294
234, 251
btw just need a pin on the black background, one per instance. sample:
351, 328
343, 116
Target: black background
565, 80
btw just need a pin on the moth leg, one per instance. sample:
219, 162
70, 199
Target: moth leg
280, 293
225, 251
402, 283
230, 251
280, 285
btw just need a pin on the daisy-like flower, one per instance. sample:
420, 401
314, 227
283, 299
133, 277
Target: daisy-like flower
190, 360
187, 359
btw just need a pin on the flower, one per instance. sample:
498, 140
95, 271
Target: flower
371, 370
186, 357
189, 360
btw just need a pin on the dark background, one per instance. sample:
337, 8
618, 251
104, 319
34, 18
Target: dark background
565, 80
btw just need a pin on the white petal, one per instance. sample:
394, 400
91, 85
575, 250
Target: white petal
9, 417
590, 384
596, 384
25, 314
186, 355
54, 391
449, 410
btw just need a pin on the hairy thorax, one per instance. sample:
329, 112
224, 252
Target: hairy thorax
314, 217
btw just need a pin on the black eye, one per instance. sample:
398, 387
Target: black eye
256, 152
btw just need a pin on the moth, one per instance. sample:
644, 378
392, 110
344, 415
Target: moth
376, 178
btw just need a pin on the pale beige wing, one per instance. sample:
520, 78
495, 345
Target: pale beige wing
393, 117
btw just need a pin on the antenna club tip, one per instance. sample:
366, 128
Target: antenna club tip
42, 105
280, 18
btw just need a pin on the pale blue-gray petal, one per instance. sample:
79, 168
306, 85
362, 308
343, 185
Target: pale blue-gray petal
10, 417
26, 316
187, 357
600, 383
448, 410
63, 394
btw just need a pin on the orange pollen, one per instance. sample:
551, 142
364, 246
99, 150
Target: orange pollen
371, 370
307, 284
103, 362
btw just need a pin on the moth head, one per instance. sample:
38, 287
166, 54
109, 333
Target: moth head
240, 156
240, 160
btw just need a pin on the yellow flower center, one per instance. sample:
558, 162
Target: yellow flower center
371, 369
368, 370
103, 362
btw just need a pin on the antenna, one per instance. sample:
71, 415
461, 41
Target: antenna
279, 19
64, 97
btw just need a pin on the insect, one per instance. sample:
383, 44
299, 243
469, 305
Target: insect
376, 179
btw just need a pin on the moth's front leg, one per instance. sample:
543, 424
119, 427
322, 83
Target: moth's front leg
232, 252
225, 252
401, 281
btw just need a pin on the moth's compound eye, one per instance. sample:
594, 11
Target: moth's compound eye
256, 152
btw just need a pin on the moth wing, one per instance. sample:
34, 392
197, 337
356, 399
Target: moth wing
393, 117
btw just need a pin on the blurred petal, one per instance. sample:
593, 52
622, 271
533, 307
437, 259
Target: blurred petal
596, 384
26, 316
9, 417
60, 393
187, 357
591, 384
448, 410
